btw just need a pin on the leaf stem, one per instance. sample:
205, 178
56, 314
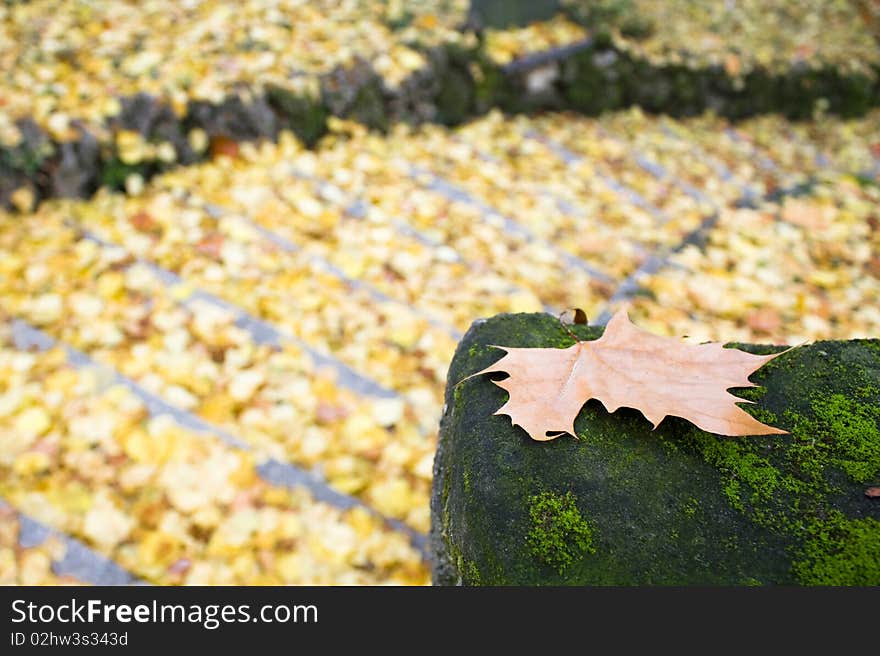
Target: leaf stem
566, 328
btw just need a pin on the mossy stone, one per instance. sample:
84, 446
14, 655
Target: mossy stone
502, 14
306, 117
627, 505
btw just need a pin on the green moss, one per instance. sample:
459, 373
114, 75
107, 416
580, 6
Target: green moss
841, 551
306, 117
471, 573
456, 394
848, 429
455, 97
444, 502
25, 160
467, 569
489, 84
368, 107
748, 477
762, 415
867, 391
115, 172
559, 534
713, 509
828, 430
750, 393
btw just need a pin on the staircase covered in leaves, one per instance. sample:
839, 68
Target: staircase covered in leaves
232, 371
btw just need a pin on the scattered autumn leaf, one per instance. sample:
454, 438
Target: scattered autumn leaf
221, 145
573, 316
764, 320
211, 245
805, 213
628, 367
732, 64
872, 492
144, 222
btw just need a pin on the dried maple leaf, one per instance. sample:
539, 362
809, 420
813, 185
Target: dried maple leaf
628, 367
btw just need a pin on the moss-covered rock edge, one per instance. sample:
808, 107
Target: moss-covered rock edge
807, 487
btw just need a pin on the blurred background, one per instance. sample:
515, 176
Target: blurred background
240, 241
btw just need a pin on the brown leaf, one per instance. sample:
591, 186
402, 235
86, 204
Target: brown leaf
180, 567
806, 214
805, 51
573, 316
872, 492
628, 367
328, 413
765, 320
732, 65
144, 222
221, 145
211, 245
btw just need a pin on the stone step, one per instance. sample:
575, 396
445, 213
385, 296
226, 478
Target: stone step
627, 505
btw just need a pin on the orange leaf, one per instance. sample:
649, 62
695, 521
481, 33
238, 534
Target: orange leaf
732, 65
144, 222
211, 245
628, 367
221, 145
765, 320
806, 214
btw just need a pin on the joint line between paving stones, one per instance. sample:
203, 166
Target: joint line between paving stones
656, 260
261, 331
820, 159
749, 194
321, 264
761, 158
660, 260
622, 190
653, 264
80, 561
271, 470
661, 173
356, 208
563, 204
455, 193
750, 197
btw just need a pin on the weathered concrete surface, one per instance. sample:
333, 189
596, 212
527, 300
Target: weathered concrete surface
625, 505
